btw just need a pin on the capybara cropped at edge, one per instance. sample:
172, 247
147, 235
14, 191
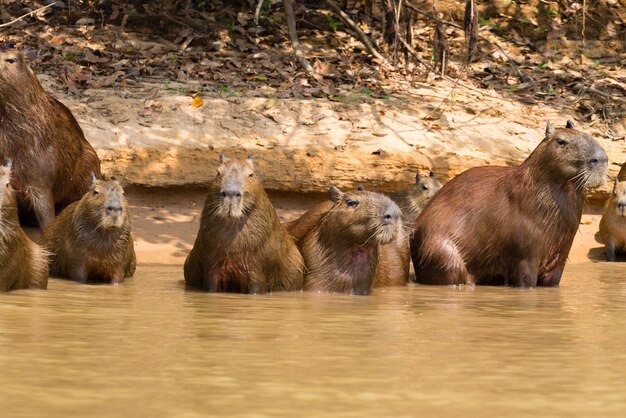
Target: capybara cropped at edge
340, 241
509, 225
613, 223
52, 160
413, 201
241, 245
23, 264
91, 239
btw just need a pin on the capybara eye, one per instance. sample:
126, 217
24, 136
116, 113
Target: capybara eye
424, 187
352, 203
9, 60
251, 174
561, 141
95, 192
6, 185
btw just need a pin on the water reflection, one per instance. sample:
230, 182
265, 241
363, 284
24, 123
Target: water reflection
149, 348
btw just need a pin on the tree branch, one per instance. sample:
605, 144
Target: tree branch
27, 14
293, 34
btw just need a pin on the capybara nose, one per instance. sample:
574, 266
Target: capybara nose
391, 215
231, 193
114, 209
599, 157
621, 204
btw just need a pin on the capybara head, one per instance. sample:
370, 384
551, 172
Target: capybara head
361, 218
618, 197
13, 65
234, 186
425, 187
573, 155
106, 201
6, 195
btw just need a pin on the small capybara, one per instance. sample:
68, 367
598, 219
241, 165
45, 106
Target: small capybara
613, 223
413, 201
52, 159
241, 245
23, 264
340, 241
91, 239
509, 225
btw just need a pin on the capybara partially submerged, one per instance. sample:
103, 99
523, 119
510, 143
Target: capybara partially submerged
241, 245
340, 241
509, 225
613, 223
23, 264
413, 201
91, 239
52, 160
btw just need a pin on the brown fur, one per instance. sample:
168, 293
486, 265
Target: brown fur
613, 223
241, 245
91, 239
341, 245
23, 264
509, 225
413, 201
52, 159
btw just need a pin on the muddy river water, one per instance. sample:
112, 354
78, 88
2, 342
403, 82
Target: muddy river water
149, 348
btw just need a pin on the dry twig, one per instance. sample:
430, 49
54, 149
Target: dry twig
27, 14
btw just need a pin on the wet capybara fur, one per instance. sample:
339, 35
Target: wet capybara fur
340, 241
91, 239
52, 160
413, 201
613, 223
23, 264
509, 225
241, 245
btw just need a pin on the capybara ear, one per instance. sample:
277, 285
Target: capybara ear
360, 188
570, 124
250, 161
334, 194
549, 129
93, 178
8, 164
223, 158
614, 192
432, 175
31, 55
417, 178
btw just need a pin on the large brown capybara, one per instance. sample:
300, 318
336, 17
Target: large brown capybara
340, 241
509, 225
613, 223
413, 201
241, 245
52, 159
91, 239
23, 264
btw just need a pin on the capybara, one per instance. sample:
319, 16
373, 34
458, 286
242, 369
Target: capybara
413, 201
91, 239
340, 241
509, 225
613, 223
241, 245
52, 160
23, 264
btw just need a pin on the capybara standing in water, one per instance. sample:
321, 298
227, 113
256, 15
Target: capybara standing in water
52, 160
91, 239
241, 245
23, 264
509, 225
613, 223
340, 242
413, 201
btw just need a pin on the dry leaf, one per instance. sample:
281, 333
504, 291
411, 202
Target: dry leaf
197, 102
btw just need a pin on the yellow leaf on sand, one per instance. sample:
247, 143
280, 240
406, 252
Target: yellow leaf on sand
197, 102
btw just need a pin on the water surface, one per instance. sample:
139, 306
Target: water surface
148, 348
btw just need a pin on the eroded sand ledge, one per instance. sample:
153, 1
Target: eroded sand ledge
160, 140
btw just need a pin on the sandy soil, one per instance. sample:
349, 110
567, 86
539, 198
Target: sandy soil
165, 223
